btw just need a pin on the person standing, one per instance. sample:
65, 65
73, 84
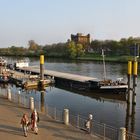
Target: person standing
89, 123
24, 123
34, 120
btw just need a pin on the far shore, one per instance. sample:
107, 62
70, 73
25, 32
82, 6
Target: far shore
117, 59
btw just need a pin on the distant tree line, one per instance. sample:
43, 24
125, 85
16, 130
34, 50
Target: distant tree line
72, 50
112, 47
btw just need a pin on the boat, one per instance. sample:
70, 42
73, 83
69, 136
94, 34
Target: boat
113, 86
21, 64
3, 62
35, 82
30, 84
108, 85
4, 78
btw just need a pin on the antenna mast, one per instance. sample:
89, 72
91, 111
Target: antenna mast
104, 74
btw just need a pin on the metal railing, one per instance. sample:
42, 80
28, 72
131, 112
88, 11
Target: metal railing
103, 131
132, 136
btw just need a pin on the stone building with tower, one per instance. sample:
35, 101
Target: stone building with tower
79, 38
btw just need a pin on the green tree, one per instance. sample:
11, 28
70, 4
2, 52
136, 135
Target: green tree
75, 50
33, 46
72, 49
79, 50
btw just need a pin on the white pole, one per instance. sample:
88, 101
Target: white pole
9, 94
122, 133
19, 96
66, 116
31, 103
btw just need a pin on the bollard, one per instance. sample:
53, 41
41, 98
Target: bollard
135, 72
19, 96
122, 133
66, 116
42, 67
9, 94
31, 103
129, 73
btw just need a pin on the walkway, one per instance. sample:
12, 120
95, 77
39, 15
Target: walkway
11, 113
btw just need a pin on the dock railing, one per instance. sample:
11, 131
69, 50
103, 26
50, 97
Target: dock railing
101, 130
132, 136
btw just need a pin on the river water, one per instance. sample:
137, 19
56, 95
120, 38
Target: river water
106, 108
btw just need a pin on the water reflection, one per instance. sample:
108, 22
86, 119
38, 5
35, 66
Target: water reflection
130, 116
98, 96
133, 118
42, 102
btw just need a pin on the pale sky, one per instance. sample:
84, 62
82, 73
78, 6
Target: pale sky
53, 21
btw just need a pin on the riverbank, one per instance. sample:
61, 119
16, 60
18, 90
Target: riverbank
50, 129
117, 59
94, 57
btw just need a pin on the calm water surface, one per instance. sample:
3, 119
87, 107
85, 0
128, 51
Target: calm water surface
106, 108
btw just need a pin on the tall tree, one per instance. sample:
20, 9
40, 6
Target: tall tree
79, 50
75, 50
72, 49
32, 45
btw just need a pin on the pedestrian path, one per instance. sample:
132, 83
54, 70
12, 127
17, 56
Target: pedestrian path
10, 129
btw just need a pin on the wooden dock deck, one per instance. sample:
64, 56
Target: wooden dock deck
69, 76
62, 79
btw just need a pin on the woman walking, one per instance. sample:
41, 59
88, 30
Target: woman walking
24, 122
34, 120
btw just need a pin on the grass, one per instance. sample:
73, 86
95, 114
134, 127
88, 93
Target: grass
96, 57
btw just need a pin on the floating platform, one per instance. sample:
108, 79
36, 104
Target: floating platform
79, 82
36, 83
28, 81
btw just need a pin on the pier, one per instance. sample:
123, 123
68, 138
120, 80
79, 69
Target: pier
65, 79
79, 82
56, 74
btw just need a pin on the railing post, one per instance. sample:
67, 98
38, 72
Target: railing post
55, 113
66, 116
104, 131
9, 94
31, 103
122, 133
19, 97
78, 121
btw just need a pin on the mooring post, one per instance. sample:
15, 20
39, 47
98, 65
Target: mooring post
41, 67
66, 116
41, 82
19, 96
31, 103
122, 134
9, 94
135, 71
129, 73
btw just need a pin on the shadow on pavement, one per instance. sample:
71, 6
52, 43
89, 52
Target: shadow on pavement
11, 130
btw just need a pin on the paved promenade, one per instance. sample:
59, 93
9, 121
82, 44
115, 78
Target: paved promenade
10, 129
